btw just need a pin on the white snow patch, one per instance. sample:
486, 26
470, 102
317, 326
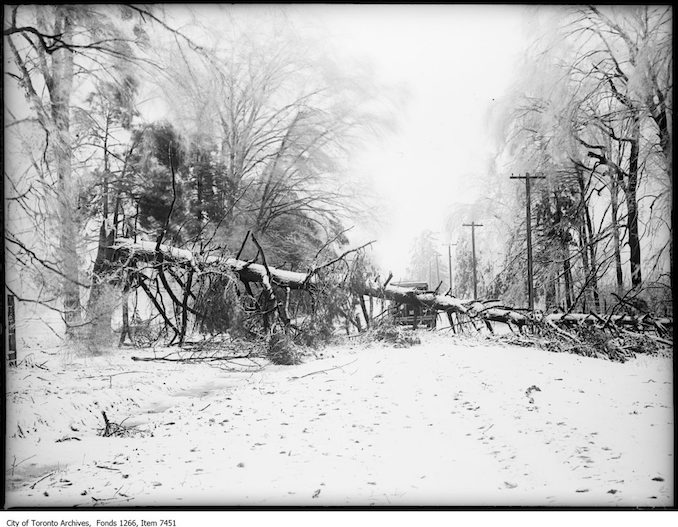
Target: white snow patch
444, 423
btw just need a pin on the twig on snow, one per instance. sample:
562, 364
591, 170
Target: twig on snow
44, 477
322, 371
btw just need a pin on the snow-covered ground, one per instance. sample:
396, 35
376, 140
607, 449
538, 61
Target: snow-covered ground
444, 423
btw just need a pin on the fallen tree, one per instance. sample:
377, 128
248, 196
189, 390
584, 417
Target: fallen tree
137, 257
129, 253
251, 272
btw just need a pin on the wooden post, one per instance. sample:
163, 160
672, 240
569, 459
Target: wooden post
528, 220
473, 226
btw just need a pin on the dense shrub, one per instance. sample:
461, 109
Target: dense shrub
281, 349
392, 334
219, 302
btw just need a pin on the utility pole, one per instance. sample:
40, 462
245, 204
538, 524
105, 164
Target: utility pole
528, 220
449, 261
473, 226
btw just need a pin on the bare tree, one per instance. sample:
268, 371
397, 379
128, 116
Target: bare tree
590, 116
627, 55
278, 133
79, 69
57, 53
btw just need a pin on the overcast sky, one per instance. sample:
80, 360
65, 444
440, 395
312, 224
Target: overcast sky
446, 66
454, 62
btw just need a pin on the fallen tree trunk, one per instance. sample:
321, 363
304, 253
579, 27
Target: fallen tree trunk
617, 320
506, 316
494, 311
414, 297
498, 313
129, 250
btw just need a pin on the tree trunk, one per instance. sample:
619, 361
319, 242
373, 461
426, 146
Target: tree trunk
567, 275
413, 297
199, 199
615, 320
100, 307
124, 331
366, 314
661, 113
585, 265
614, 202
60, 89
587, 241
563, 235
632, 207
550, 291
184, 308
101, 302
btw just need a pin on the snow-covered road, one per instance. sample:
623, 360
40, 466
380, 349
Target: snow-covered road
443, 423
